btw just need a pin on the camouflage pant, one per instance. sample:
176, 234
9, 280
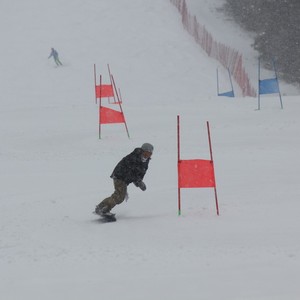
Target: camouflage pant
117, 197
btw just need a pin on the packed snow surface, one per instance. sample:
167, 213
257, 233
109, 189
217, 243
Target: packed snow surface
55, 169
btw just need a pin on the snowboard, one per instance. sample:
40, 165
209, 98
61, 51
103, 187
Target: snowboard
108, 217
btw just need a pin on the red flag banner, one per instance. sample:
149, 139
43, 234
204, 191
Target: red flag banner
196, 173
108, 115
104, 91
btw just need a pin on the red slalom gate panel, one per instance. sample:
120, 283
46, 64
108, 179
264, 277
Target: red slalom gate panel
104, 91
108, 116
196, 173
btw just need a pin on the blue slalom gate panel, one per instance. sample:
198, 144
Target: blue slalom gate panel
227, 94
268, 86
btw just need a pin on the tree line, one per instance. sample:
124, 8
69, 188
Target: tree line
276, 24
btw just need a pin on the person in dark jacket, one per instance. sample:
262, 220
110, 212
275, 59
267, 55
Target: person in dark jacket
54, 54
131, 169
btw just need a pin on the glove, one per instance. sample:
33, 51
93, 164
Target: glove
141, 185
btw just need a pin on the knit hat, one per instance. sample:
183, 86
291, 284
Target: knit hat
147, 147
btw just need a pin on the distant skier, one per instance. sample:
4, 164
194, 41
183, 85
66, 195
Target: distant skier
131, 169
54, 54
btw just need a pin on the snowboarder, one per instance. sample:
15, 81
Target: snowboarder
54, 54
131, 169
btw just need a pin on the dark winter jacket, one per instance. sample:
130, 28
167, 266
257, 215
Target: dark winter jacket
131, 168
53, 53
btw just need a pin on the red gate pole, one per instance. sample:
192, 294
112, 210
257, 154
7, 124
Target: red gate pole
178, 162
115, 88
119, 102
211, 158
112, 83
100, 103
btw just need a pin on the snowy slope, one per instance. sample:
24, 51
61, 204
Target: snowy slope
55, 169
